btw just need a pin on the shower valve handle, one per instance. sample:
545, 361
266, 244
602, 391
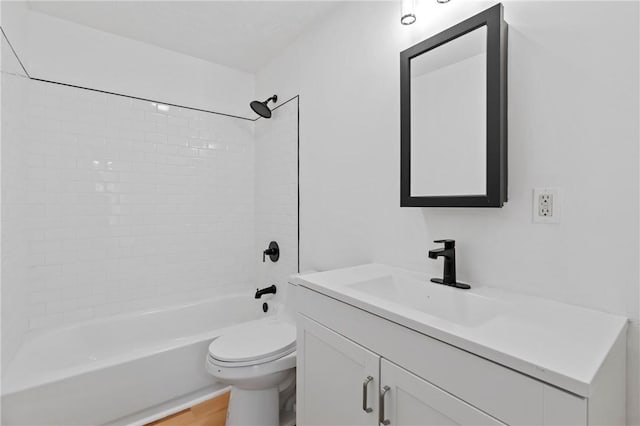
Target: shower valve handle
273, 252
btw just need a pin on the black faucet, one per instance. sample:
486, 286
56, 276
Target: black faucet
449, 254
267, 290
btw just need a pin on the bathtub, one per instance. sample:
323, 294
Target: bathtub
125, 369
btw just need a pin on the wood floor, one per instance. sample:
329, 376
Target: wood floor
209, 413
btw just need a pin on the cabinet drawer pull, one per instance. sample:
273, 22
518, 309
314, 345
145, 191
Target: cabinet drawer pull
382, 419
365, 398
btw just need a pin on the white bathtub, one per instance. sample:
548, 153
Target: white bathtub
120, 369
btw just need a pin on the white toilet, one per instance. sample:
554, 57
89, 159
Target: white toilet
258, 360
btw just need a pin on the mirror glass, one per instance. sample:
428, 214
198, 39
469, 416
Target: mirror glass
448, 118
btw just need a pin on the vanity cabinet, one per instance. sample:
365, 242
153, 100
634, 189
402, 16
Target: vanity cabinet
358, 368
342, 383
337, 379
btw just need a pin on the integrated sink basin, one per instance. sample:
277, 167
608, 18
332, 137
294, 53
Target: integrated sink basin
542, 338
448, 303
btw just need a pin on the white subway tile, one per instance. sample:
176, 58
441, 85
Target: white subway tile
131, 205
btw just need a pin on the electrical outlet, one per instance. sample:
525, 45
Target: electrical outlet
546, 205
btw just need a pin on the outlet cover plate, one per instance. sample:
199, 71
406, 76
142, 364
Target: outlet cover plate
546, 205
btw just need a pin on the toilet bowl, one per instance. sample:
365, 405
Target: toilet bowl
258, 360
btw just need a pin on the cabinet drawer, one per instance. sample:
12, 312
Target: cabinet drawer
505, 394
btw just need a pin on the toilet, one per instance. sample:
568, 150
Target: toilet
258, 360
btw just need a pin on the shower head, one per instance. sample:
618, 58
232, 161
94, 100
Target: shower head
261, 108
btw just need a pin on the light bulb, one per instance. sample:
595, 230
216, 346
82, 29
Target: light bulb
408, 15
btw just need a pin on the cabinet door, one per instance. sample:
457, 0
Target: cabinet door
410, 400
334, 377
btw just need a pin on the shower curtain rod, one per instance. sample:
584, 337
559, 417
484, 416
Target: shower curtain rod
119, 94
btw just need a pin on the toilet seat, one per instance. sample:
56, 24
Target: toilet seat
258, 360
253, 343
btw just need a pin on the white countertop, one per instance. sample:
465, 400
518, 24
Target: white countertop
555, 342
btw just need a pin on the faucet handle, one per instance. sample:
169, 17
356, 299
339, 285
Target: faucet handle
273, 251
448, 244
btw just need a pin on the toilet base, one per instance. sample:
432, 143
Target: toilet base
253, 407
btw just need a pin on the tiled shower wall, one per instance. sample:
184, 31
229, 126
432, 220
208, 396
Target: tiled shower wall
132, 204
14, 246
277, 194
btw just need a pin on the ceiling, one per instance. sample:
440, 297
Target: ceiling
239, 34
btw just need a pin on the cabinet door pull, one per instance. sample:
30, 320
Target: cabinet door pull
381, 418
365, 398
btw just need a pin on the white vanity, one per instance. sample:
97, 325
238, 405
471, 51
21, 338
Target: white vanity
378, 344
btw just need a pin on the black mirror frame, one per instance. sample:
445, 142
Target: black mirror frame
496, 112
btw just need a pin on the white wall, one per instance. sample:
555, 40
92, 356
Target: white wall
13, 201
132, 205
276, 189
573, 123
64, 51
106, 175
13, 277
129, 206
14, 21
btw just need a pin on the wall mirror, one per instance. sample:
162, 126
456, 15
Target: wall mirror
454, 116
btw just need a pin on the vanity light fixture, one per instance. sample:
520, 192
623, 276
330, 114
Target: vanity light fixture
442, 1
408, 14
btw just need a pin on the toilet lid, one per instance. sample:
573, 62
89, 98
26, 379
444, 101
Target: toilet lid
255, 341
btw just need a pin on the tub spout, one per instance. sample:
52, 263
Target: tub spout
267, 290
